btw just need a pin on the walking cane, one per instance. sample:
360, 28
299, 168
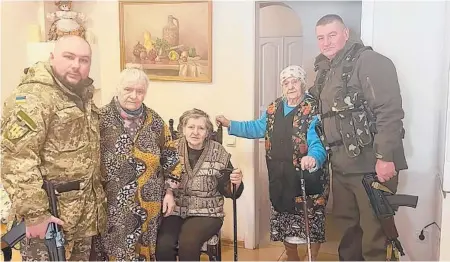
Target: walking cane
235, 224
227, 172
305, 211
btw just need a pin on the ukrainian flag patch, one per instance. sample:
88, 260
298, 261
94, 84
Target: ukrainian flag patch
21, 99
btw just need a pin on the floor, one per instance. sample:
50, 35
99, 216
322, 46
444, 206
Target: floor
275, 250
271, 252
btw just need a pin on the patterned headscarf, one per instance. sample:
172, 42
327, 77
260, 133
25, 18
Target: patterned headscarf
133, 120
293, 71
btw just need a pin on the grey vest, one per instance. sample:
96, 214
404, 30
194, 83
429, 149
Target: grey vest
198, 194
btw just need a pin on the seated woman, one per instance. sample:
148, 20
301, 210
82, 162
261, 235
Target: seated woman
135, 145
198, 213
292, 144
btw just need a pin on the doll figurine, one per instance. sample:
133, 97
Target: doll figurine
65, 22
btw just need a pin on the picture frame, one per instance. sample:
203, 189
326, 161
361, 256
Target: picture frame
169, 40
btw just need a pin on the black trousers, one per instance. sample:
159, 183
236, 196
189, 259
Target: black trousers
188, 234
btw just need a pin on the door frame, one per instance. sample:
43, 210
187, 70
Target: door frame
367, 17
256, 233
258, 5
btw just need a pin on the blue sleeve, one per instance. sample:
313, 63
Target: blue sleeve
249, 129
315, 146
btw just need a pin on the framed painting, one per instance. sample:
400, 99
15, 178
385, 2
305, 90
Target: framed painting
170, 40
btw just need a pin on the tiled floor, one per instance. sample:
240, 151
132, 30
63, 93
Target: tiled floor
271, 252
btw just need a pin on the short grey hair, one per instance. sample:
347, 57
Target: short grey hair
330, 18
195, 113
132, 75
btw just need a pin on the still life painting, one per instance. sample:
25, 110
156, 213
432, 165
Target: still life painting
170, 40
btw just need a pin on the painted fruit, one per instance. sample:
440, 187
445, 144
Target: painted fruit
192, 52
152, 55
173, 55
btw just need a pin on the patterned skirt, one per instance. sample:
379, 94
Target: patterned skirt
291, 227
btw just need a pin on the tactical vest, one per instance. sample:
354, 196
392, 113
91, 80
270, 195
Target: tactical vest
354, 119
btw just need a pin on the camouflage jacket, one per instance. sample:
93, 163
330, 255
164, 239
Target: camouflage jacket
49, 132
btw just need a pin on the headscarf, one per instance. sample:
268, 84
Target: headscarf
293, 71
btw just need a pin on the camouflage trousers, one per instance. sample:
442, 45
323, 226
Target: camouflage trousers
35, 250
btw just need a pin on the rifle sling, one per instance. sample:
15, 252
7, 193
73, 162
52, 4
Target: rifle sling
68, 186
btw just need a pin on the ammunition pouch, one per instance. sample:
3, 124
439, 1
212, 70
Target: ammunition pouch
354, 119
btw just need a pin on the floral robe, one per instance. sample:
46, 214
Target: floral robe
134, 184
288, 226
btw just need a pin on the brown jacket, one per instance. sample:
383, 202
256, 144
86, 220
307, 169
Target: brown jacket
375, 77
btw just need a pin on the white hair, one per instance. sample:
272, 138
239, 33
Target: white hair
132, 75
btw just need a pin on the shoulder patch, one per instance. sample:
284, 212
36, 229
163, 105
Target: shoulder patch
19, 127
27, 120
16, 131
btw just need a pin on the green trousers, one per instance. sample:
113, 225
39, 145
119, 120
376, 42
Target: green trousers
362, 236
34, 249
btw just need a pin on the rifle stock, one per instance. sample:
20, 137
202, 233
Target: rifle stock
388, 226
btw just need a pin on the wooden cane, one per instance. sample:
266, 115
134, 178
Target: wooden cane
235, 224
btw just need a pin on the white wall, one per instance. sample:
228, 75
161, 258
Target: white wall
445, 234
412, 35
14, 26
444, 150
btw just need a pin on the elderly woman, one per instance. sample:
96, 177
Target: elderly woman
292, 144
199, 213
135, 146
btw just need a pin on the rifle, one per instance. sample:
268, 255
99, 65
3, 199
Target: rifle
384, 204
54, 237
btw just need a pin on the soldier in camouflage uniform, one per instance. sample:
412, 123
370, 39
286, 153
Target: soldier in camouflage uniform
50, 131
361, 111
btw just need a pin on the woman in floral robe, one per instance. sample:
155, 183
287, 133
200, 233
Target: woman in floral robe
136, 146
